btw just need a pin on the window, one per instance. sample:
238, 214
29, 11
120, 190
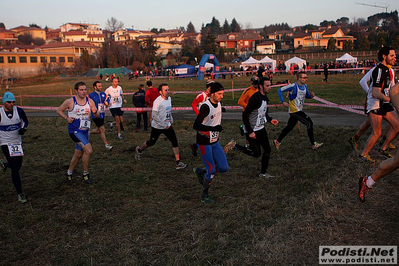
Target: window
22, 59
62, 59
246, 43
53, 59
11, 59
1, 59
33, 59
43, 59
70, 59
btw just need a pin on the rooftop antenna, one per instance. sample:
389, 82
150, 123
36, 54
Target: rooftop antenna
386, 6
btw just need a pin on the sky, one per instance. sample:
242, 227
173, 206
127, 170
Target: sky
145, 15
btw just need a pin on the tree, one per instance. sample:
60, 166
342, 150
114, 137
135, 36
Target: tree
154, 30
348, 45
395, 42
326, 23
25, 38
34, 25
114, 25
208, 44
364, 44
235, 27
331, 44
343, 21
2, 25
190, 28
310, 27
226, 27
215, 26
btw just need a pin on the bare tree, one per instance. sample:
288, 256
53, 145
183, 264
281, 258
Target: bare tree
114, 25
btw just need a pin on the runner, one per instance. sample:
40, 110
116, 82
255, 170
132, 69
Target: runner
13, 124
208, 128
197, 102
255, 117
387, 166
378, 106
100, 100
162, 124
115, 93
78, 118
298, 91
151, 95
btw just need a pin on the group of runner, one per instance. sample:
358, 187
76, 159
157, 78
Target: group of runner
207, 105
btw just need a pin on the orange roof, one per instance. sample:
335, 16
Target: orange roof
70, 33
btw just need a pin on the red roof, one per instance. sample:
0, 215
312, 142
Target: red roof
71, 33
68, 44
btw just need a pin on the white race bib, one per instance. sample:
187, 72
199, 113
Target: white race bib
214, 136
84, 124
15, 150
101, 108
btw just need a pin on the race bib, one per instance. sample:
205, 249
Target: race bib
15, 150
84, 124
101, 108
168, 116
214, 136
116, 100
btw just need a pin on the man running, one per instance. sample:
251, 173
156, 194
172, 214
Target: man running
162, 121
115, 93
378, 106
197, 102
298, 91
208, 126
387, 166
78, 118
100, 100
255, 116
13, 124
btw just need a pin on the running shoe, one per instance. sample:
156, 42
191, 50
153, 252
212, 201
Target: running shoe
354, 143
229, 146
363, 188
206, 199
266, 176
391, 146
120, 136
87, 179
111, 125
367, 158
200, 175
316, 145
70, 178
3, 165
22, 198
181, 165
277, 144
194, 149
138, 153
108, 147
385, 153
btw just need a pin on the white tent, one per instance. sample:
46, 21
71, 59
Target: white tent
268, 61
347, 58
295, 61
251, 61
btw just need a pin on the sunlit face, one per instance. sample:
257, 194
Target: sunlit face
303, 78
98, 87
9, 105
217, 96
266, 87
165, 92
81, 91
115, 82
390, 59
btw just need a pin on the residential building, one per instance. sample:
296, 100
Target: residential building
241, 42
33, 31
85, 27
8, 36
266, 47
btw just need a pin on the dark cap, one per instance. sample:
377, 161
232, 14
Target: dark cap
216, 86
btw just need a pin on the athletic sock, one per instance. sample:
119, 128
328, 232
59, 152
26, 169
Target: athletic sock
370, 182
86, 172
69, 172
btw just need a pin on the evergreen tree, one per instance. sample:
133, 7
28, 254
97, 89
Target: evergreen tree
226, 27
190, 28
235, 27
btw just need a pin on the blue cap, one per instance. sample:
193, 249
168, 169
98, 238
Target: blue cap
8, 96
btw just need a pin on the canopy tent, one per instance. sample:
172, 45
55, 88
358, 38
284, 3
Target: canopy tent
185, 70
250, 61
104, 71
347, 58
268, 61
295, 61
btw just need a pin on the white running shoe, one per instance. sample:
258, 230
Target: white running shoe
108, 147
180, 165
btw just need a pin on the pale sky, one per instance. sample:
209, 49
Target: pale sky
150, 14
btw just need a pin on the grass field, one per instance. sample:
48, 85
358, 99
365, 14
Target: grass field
147, 213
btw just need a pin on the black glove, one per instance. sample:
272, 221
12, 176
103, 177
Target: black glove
218, 128
223, 110
21, 131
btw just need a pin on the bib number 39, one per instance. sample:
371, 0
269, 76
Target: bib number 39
15, 150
